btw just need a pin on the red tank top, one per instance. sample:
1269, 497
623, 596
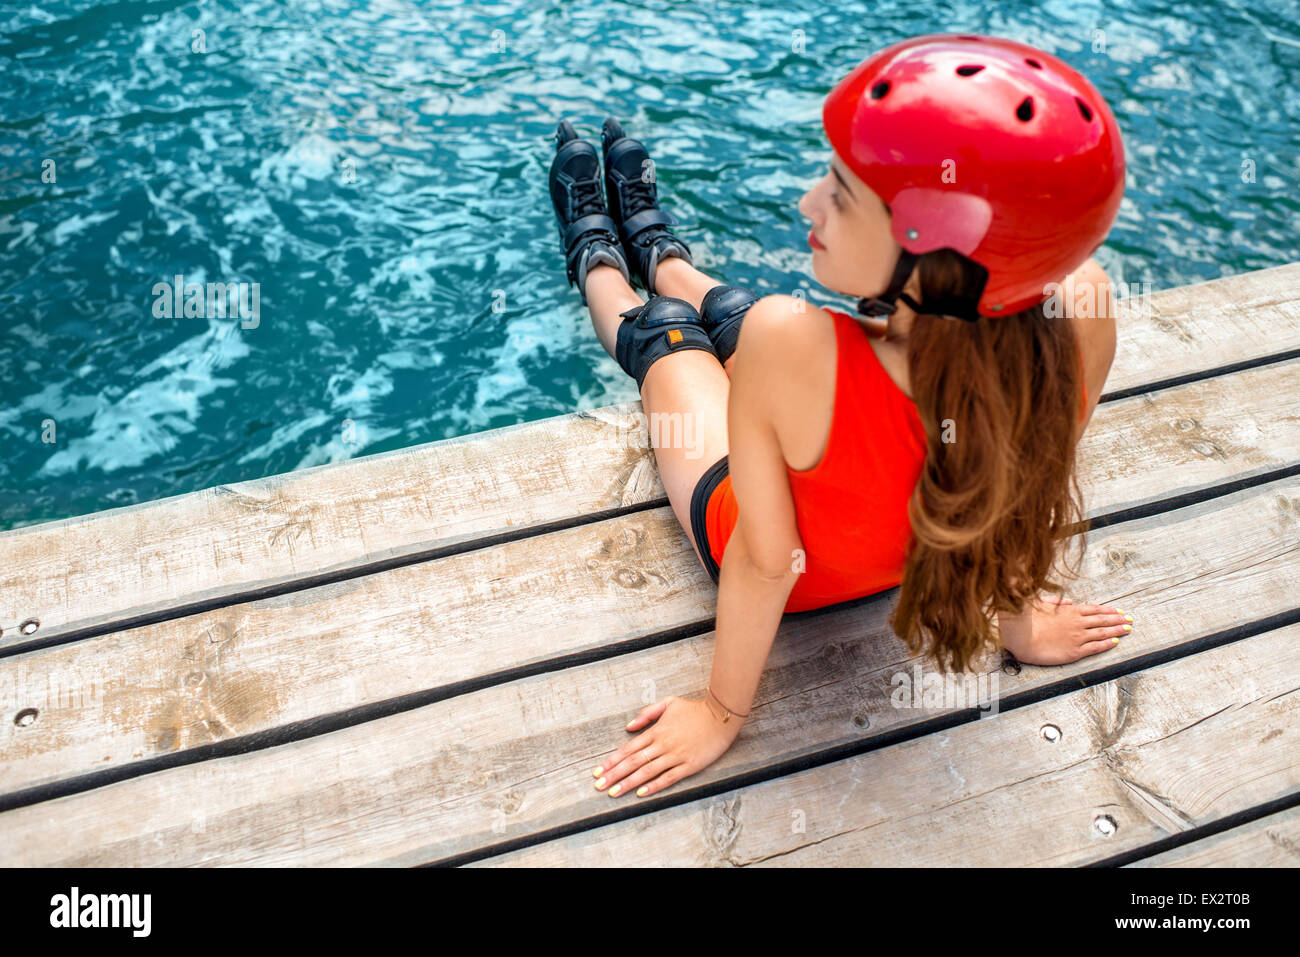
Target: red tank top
851, 507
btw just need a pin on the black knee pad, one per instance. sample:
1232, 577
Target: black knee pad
721, 312
653, 330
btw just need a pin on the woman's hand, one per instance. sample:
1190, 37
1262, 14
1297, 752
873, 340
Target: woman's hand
1061, 632
686, 737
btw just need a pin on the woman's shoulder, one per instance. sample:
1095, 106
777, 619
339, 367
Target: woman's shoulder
783, 336
796, 344
787, 355
1086, 292
777, 307
1089, 304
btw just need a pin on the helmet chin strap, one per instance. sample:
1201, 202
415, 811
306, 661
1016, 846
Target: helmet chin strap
885, 304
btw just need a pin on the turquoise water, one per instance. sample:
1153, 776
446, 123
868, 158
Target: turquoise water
379, 171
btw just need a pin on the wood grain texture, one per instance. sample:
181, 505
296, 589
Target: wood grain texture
1271, 841
134, 695
1205, 325
1135, 759
514, 759
132, 563
259, 666
110, 566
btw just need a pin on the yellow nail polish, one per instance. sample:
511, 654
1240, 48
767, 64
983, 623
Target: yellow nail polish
613, 792
1129, 617
1128, 627
598, 772
1114, 641
640, 792
600, 784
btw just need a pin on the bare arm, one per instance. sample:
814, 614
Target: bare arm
1093, 313
757, 571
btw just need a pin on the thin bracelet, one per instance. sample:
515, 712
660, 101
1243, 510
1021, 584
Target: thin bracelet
708, 704
729, 712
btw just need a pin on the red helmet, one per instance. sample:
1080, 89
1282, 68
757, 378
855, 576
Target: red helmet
987, 146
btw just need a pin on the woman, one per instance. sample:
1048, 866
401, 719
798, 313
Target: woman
933, 448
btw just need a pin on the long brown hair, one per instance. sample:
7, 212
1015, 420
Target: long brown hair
999, 399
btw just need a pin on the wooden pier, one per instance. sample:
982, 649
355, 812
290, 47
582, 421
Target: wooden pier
418, 657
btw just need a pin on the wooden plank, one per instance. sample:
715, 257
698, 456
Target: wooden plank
127, 566
207, 679
1206, 325
513, 759
1270, 841
262, 667
1135, 759
1151, 447
135, 562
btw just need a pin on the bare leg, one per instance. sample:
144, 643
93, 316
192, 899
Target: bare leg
608, 294
683, 396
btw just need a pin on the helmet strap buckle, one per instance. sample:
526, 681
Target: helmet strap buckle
876, 307
885, 303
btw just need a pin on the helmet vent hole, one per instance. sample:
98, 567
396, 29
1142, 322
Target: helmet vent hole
1083, 108
1025, 111
880, 89
968, 70
1034, 63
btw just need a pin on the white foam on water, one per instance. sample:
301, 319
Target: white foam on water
50, 403
284, 435
524, 336
149, 420
311, 157
348, 425
254, 208
26, 230
424, 358
339, 450
414, 269
75, 224
357, 395
175, 214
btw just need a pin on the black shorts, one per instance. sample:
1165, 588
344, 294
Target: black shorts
699, 511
